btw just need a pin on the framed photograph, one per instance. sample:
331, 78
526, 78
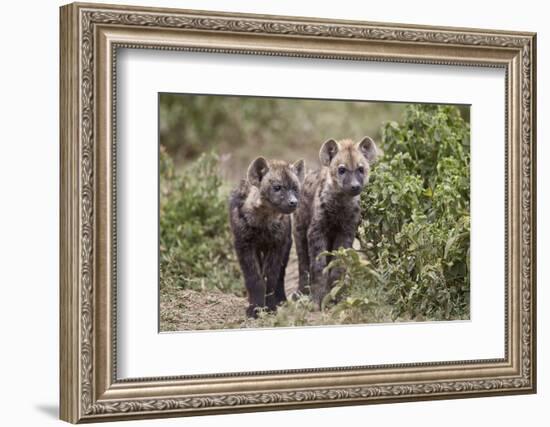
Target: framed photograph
266, 212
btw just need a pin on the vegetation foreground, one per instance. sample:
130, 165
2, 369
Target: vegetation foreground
411, 256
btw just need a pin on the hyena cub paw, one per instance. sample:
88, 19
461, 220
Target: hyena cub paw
252, 311
271, 302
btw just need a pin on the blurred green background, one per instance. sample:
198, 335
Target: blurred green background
241, 128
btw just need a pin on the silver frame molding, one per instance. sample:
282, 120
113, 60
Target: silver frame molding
90, 37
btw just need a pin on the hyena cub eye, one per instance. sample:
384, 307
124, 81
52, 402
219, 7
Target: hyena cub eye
276, 188
341, 170
361, 169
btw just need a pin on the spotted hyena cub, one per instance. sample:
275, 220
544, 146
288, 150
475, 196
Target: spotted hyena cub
329, 213
260, 209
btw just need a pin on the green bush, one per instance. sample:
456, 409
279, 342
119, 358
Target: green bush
357, 296
416, 214
195, 242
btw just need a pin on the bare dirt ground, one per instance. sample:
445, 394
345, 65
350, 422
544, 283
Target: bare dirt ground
187, 309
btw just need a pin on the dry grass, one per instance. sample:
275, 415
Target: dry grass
187, 309
211, 309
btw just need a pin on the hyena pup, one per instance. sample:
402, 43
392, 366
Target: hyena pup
329, 213
260, 209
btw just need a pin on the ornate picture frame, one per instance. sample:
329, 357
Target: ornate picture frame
90, 37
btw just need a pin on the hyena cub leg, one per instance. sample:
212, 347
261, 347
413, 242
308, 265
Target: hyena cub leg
275, 263
318, 243
280, 293
253, 280
302, 251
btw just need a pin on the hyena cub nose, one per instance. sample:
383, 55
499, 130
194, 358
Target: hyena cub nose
259, 209
329, 212
292, 202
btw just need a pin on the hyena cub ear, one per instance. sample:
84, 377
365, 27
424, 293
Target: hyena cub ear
368, 149
256, 171
328, 151
299, 169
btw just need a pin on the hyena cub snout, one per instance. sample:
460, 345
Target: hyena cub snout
260, 222
329, 214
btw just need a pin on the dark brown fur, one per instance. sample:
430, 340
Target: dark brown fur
260, 222
329, 212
